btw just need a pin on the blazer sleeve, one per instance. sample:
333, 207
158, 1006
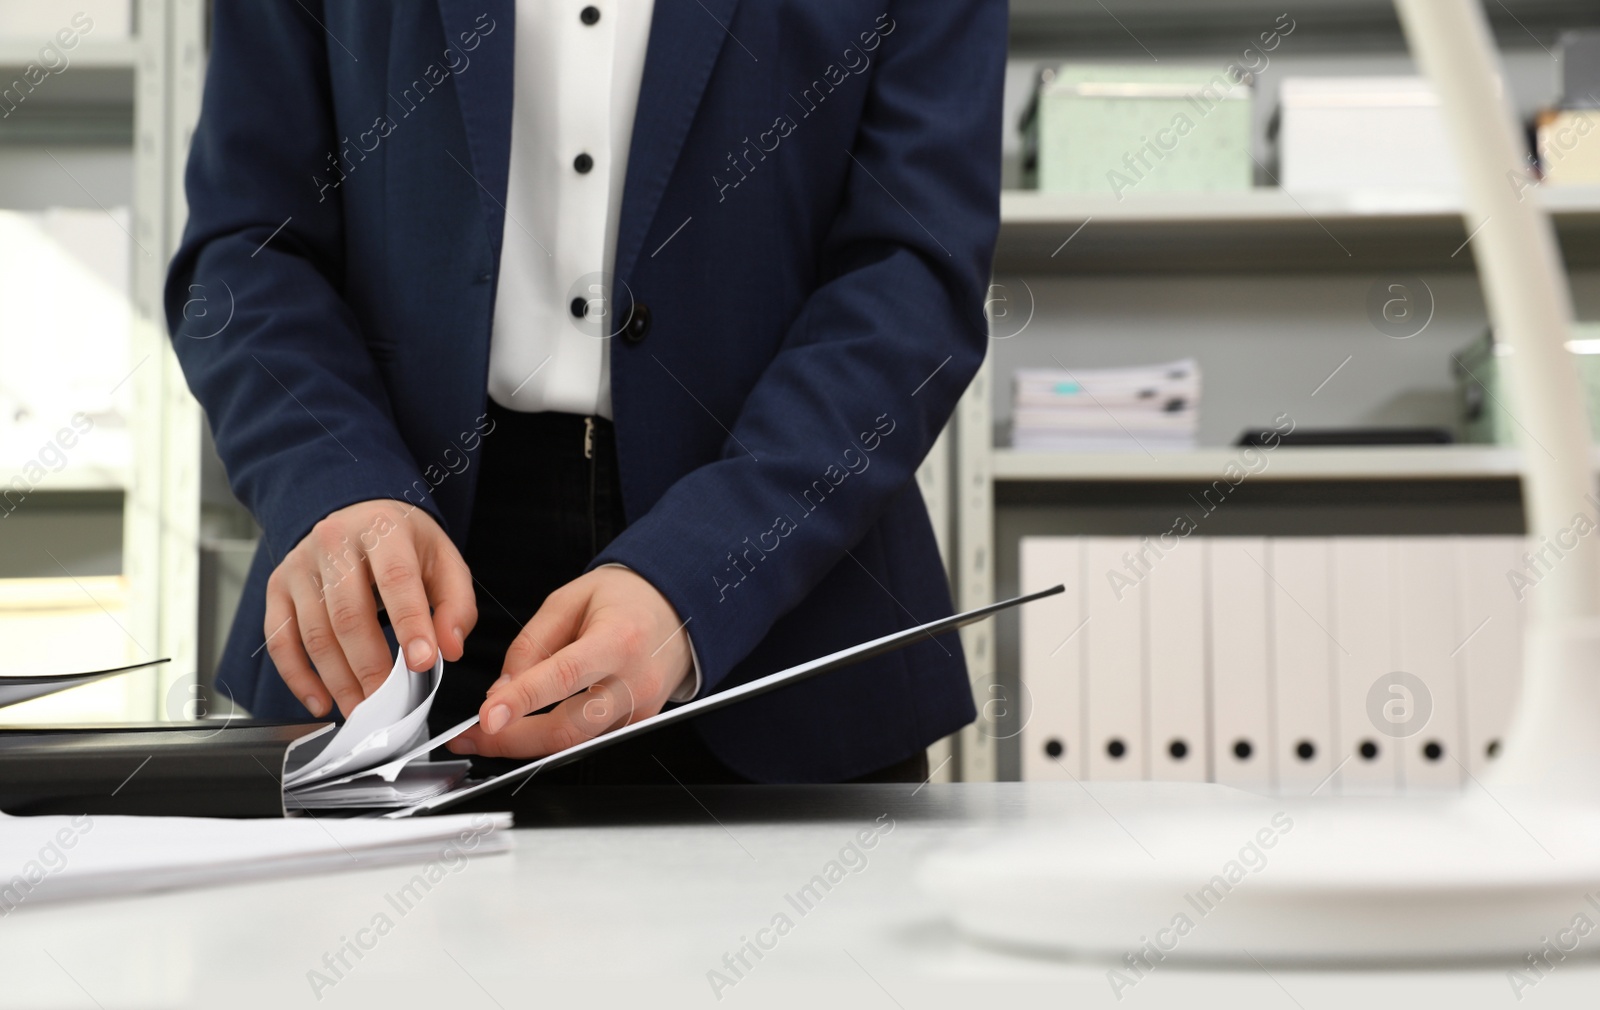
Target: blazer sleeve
872, 367
268, 344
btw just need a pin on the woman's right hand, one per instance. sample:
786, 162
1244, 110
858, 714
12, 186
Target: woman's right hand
322, 614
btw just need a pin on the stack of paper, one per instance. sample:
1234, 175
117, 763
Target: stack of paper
1144, 409
53, 859
379, 757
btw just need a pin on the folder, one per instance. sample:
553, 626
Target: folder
1175, 650
18, 688
1299, 600
165, 769
1241, 717
1053, 638
723, 699
1114, 659
238, 769
1428, 726
1490, 622
1363, 625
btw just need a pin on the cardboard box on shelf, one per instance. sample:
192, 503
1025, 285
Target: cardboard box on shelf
1096, 128
1363, 134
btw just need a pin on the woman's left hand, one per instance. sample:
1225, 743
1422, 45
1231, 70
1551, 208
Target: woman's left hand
607, 646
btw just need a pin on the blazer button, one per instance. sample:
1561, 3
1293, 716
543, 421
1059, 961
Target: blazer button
638, 325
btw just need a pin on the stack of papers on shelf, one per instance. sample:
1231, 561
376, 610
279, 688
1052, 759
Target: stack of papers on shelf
72, 858
1148, 408
379, 757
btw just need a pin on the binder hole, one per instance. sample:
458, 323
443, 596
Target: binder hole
1178, 749
1493, 750
1054, 748
1305, 750
1368, 750
1242, 750
1116, 749
1432, 751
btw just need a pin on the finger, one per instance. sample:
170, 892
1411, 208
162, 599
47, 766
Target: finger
289, 656
311, 614
448, 582
399, 580
563, 675
599, 709
554, 626
353, 613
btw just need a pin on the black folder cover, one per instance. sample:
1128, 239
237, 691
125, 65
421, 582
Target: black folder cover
232, 769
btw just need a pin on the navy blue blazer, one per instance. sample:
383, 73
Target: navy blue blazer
809, 217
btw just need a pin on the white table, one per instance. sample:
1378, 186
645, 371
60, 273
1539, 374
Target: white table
632, 899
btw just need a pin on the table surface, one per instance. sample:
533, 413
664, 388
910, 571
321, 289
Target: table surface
632, 897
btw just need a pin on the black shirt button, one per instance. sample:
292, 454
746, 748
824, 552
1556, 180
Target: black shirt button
638, 325
590, 15
583, 163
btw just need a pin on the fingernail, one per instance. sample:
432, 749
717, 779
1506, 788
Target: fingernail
461, 636
502, 679
498, 717
417, 653
461, 745
313, 705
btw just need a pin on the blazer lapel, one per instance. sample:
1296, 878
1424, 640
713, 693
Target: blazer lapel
484, 92
685, 38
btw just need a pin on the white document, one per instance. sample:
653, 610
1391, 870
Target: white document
418, 781
1302, 663
1114, 659
1364, 587
1429, 724
389, 723
1490, 621
1175, 647
379, 757
1053, 642
1239, 660
51, 859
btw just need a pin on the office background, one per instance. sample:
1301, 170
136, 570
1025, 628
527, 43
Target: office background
122, 539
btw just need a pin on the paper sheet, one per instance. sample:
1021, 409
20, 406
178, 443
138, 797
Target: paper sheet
389, 723
379, 757
52, 859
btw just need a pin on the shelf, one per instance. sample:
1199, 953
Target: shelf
1122, 28
1385, 463
1259, 230
99, 463
85, 102
101, 54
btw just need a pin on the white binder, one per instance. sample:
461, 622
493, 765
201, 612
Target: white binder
1427, 639
1114, 659
1299, 600
1240, 714
1053, 643
1489, 653
1175, 649
1363, 625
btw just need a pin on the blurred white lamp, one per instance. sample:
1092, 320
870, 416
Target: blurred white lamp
1203, 871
